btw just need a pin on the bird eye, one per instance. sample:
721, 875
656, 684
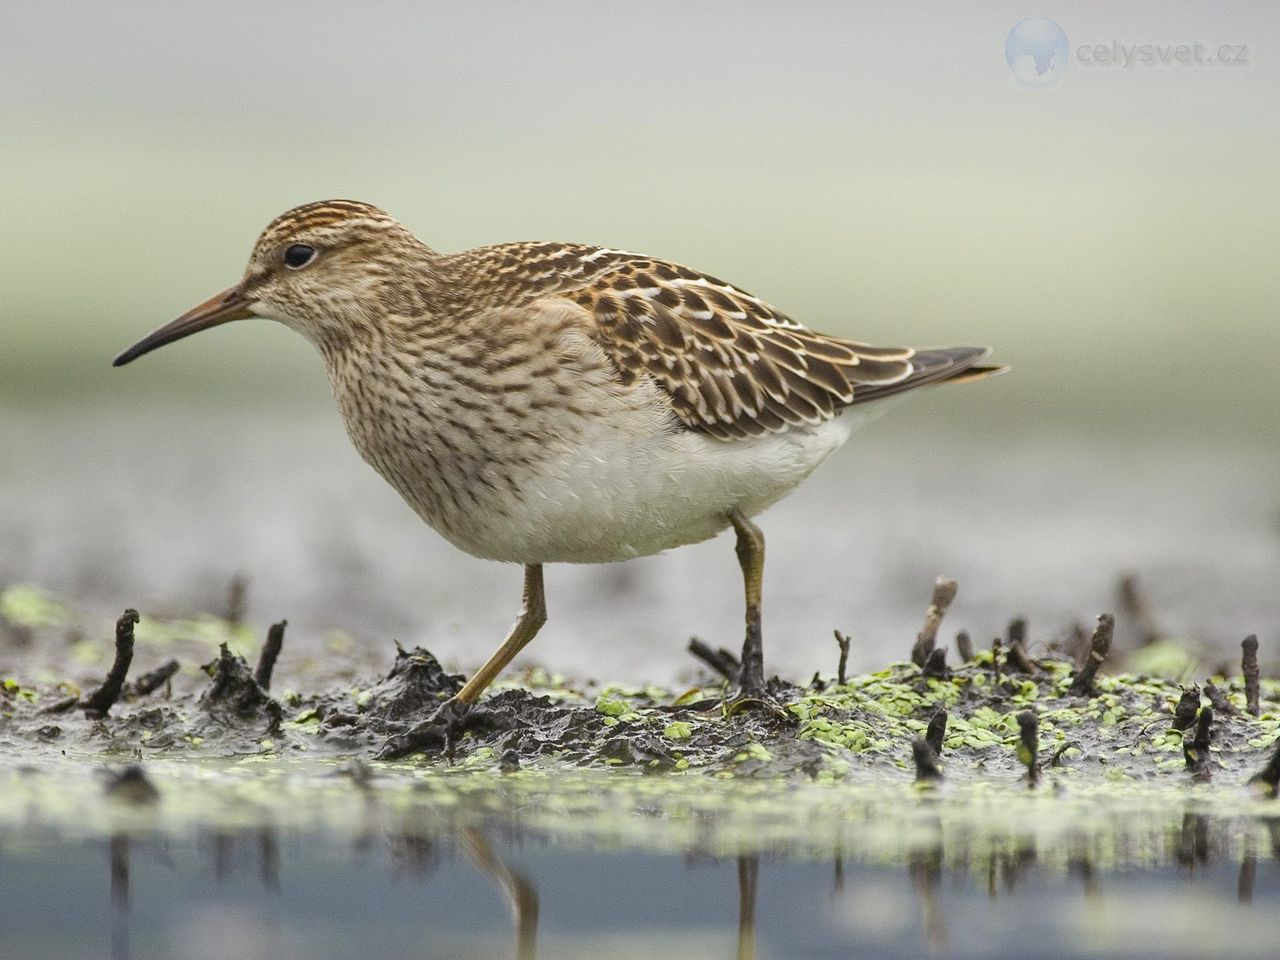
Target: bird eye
299, 255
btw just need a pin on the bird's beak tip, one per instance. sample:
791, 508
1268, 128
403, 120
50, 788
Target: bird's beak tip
228, 305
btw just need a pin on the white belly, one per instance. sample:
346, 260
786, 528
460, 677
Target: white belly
623, 496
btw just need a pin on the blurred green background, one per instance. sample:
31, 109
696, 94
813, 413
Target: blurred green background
873, 169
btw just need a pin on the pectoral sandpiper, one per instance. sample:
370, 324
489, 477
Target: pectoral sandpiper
552, 402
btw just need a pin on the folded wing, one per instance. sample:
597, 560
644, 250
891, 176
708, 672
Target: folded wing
733, 366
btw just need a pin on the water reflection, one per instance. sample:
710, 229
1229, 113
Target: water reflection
119, 857
748, 891
521, 895
925, 869
939, 910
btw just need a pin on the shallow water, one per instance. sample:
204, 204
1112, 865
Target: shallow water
244, 861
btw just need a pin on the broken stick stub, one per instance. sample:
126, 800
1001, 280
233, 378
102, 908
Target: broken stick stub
936, 665
269, 654
1188, 705
722, 661
152, 680
1016, 632
1018, 659
1195, 752
842, 667
1134, 602
1218, 697
101, 700
926, 761
936, 732
944, 592
1029, 744
1099, 645
1249, 667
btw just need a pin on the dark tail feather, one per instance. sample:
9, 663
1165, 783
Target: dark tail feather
949, 364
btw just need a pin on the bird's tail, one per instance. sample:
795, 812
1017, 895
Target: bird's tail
944, 365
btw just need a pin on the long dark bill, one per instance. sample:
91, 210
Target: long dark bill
222, 308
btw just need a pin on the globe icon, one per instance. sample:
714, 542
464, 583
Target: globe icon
1036, 51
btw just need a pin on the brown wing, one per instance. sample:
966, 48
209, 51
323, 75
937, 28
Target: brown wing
732, 365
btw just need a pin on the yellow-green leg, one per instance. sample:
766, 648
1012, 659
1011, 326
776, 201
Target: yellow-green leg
533, 614
438, 730
750, 549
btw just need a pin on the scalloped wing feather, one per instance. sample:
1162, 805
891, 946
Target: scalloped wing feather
732, 366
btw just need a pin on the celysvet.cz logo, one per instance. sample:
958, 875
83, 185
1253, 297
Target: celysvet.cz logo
1037, 52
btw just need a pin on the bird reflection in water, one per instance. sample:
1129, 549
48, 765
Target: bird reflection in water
522, 896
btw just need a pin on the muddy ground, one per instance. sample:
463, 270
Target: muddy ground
189, 689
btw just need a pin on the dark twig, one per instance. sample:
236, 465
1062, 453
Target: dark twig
1018, 659
152, 680
997, 659
1249, 666
236, 591
936, 732
1269, 776
843, 642
59, 706
1058, 754
99, 702
936, 665
1196, 753
722, 661
964, 646
926, 761
944, 591
1016, 632
1029, 744
270, 652
1218, 697
1082, 682
1184, 713
1134, 602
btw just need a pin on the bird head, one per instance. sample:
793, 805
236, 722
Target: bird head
329, 270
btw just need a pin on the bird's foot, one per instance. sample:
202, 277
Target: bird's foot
437, 733
752, 691
757, 700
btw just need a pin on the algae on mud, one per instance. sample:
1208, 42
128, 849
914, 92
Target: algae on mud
1108, 727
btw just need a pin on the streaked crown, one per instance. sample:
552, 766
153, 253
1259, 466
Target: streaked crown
331, 267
